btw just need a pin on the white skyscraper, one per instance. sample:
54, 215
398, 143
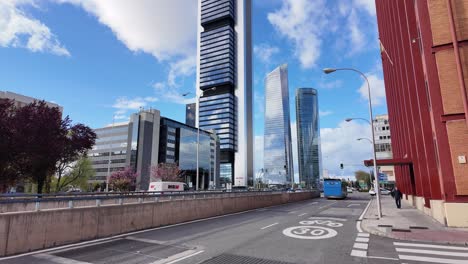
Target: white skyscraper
224, 84
278, 157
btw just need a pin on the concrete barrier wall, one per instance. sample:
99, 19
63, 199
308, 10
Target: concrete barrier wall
27, 231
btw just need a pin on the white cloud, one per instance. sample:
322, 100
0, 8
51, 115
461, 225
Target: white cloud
17, 29
368, 5
377, 90
357, 37
124, 104
258, 155
165, 29
171, 94
265, 52
340, 145
302, 22
325, 113
330, 84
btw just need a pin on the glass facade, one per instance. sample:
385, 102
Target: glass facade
190, 112
278, 160
178, 144
225, 64
308, 136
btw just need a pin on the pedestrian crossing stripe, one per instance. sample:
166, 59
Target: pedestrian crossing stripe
429, 253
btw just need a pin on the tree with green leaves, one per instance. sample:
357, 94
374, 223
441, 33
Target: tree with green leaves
77, 176
362, 176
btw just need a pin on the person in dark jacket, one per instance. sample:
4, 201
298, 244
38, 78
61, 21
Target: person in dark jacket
397, 195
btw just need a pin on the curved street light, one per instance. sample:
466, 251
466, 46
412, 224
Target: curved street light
370, 141
349, 119
377, 185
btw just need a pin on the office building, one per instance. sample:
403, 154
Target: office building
383, 146
149, 139
224, 84
278, 158
22, 100
308, 137
425, 66
111, 144
190, 113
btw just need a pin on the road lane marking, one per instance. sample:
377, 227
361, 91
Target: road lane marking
313, 203
432, 252
59, 260
293, 212
433, 260
302, 214
359, 253
309, 232
265, 227
328, 218
327, 205
350, 205
428, 246
361, 246
374, 257
179, 259
363, 234
359, 221
362, 239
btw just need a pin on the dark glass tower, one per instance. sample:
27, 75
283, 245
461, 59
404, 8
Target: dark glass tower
224, 77
308, 136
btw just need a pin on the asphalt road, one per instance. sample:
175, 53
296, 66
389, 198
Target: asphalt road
312, 231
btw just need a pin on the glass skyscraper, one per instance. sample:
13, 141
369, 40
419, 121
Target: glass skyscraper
224, 84
308, 136
278, 158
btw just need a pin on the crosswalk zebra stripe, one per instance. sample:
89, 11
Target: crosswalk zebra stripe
428, 246
433, 260
432, 252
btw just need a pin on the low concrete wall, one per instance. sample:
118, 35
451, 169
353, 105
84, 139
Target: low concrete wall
27, 231
456, 213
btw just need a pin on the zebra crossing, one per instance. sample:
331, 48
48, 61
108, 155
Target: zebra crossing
429, 253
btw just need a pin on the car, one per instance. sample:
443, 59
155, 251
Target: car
372, 192
385, 192
350, 190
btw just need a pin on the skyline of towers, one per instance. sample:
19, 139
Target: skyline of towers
278, 164
224, 84
308, 136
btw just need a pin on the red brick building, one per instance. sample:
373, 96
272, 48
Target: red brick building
425, 65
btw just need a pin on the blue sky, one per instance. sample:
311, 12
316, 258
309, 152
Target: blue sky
103, 58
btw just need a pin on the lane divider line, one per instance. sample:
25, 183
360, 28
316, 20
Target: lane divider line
265, 227
302, 214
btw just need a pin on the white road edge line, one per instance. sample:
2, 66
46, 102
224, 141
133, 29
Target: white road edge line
265, 227
358, 222
328, 218
433, 260
432, 252
428, 246
293, 212
186, 257
302, 214
373, 257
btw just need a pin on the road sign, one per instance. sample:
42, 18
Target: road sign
383, 177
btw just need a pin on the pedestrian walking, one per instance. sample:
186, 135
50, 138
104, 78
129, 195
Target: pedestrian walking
396, 193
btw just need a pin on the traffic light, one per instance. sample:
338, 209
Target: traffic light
341, 165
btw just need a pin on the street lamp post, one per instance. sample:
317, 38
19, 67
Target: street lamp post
198, 133
109, 161
376, 186
359, 139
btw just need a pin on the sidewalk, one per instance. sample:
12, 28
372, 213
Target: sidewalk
408, 223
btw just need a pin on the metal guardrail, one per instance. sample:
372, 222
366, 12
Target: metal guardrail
67, 200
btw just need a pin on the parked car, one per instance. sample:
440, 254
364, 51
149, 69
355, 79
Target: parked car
385, 192
372, 192
350, 190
